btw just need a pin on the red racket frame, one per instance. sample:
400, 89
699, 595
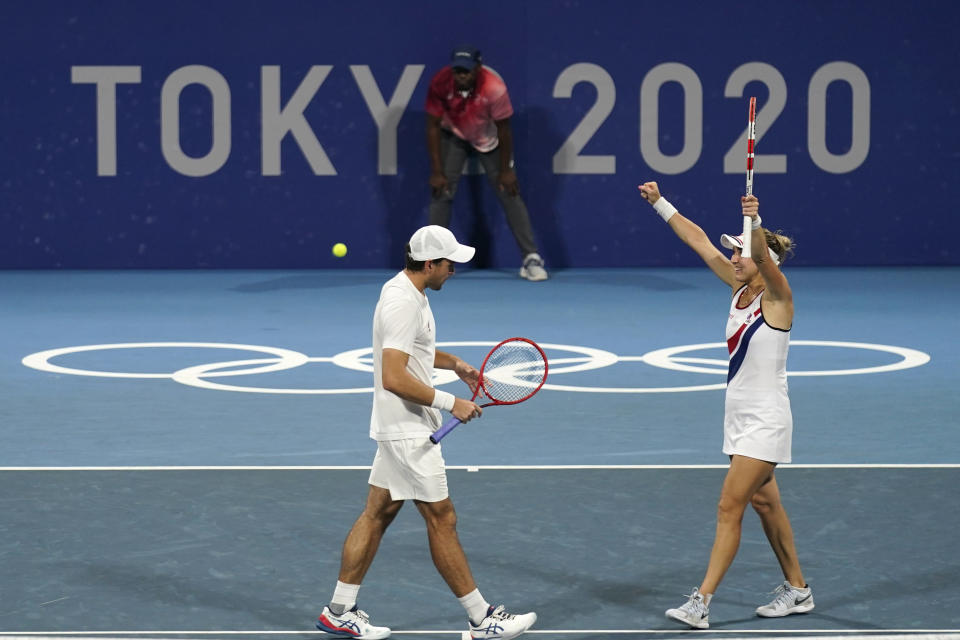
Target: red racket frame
450, 424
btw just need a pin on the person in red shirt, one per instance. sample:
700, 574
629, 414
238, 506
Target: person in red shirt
468, 112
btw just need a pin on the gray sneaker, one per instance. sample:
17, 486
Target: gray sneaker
532, 268
693, 612
789, 599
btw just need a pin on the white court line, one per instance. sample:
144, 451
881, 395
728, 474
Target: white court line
492, 467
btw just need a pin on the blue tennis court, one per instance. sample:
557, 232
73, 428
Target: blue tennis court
184, 452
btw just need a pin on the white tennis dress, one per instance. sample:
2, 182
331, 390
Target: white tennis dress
757, 421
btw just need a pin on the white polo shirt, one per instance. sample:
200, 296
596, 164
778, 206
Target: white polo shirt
403, 321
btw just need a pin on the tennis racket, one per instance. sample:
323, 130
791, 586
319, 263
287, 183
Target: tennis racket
751, 138
512, 372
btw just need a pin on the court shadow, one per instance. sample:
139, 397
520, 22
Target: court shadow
320, 280
632, 278
894, 588
186, 594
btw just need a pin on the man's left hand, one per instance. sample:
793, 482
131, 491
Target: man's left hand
468, 374
508, 182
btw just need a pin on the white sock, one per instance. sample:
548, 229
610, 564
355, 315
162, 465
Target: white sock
344, 597
475, 605
707, 597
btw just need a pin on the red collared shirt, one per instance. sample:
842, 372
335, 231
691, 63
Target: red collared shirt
471, 117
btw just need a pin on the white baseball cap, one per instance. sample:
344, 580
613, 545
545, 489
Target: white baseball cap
736, 242
434, 242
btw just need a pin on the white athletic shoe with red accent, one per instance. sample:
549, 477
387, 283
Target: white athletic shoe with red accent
500, 625
351, 624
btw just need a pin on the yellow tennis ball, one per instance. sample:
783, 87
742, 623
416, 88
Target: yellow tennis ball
339, 250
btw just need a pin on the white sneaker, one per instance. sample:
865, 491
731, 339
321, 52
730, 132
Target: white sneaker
500, 625
351, 624
693, 612
789, 599
532, 268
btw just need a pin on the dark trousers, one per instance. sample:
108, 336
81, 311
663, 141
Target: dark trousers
453, 155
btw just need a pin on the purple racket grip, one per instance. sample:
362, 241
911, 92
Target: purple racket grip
447, 427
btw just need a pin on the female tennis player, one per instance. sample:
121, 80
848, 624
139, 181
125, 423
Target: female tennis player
757, 424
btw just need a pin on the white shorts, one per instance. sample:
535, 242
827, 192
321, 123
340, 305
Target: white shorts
411, 469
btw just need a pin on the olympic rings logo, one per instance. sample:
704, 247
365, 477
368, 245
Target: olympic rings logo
211, 374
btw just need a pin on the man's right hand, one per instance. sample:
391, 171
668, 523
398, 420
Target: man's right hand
438, 184
465, 410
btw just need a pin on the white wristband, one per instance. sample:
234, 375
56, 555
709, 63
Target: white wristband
443, 400
755, 224
664, 209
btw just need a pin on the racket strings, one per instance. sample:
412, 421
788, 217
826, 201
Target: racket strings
513, 372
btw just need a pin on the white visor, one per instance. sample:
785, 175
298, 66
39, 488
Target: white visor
434, 242
736, 242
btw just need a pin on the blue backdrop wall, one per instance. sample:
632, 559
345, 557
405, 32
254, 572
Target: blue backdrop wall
243, 133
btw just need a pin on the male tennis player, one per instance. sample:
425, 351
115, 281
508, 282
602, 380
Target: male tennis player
407, 466
758, 424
